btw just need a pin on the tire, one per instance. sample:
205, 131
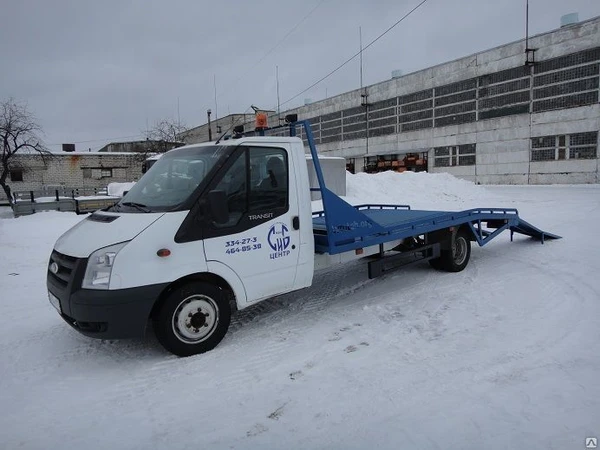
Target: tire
193, 319
457, 258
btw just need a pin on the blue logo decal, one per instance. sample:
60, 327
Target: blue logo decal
279, 240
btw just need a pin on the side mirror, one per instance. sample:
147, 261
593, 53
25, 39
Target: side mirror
217, 201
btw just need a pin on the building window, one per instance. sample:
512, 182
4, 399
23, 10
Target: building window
351, 165
564, 146
16, 175
97, 173
454, 155
370, 164
583, 145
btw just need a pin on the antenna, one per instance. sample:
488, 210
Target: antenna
216, 106
278, 106
178, 116
529, 52
363, 93
360, 52
526, 25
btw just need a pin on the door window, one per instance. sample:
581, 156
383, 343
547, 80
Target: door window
234, 184
270, 178
256, 187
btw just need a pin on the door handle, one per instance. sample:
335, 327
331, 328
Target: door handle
296, 222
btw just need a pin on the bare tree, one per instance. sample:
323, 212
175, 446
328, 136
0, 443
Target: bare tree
19, 134
164, 135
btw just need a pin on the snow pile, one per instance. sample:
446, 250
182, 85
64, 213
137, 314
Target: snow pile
28, 227
119, 189
420, 190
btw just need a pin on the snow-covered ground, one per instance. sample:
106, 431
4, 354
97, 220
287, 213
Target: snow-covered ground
505, 354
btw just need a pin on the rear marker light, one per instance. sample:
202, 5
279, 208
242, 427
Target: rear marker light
163, 252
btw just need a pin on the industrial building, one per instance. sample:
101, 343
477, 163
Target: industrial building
212, 130
145, 146
522, 113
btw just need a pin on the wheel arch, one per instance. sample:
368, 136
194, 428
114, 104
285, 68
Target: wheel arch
206, 277
445, 236
448, 238
465, 228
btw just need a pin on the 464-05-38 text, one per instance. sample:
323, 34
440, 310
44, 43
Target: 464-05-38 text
242, 245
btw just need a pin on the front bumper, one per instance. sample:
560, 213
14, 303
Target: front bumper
117, 314
102, 314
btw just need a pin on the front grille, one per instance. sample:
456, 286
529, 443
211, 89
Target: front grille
66, 266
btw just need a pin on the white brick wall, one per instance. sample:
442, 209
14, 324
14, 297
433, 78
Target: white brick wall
67, 170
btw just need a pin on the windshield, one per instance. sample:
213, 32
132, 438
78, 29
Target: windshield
172, 179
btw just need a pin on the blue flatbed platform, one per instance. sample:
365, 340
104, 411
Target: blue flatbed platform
377, 224
341, 227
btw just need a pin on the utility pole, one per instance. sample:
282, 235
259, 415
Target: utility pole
361, 62
278, 106
208, 111
216, 106
363, 93
529, 52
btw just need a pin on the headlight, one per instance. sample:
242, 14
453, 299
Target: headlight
99, 267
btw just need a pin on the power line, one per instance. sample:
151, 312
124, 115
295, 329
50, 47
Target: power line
289, 33
281, 41
356, 54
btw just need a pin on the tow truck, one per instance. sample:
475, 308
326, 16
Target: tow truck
216, 227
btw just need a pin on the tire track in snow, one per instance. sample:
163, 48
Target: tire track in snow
327, 287
560, 320
279, 323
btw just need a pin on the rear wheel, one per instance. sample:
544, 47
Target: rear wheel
457, 257
193, 319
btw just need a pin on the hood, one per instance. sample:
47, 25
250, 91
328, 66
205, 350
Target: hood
101, 230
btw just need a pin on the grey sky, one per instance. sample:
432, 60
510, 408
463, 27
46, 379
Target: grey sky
102, 70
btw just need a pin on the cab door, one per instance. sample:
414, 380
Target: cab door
259, 239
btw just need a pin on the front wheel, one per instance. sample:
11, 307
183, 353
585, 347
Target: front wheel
193, 319
457, 257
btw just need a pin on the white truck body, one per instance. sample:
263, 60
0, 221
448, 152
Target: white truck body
253, 274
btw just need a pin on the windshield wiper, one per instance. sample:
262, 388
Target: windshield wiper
113, 208
138, 206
